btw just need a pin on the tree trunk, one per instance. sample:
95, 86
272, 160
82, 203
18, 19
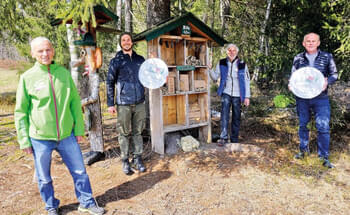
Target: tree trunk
88, 87
225, 13
73, 52
258, 69
157, 11
213, 14
118, 10
128, 16
205, 14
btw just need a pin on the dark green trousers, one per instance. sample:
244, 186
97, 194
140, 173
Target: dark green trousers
130, 123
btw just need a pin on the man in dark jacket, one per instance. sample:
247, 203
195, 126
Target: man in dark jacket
123, 73
324, 62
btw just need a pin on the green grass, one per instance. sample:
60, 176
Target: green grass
8, 86
8, 81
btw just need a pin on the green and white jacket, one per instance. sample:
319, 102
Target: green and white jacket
47, 105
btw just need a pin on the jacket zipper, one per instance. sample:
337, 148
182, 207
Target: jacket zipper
54, 100
231, 72
134, 80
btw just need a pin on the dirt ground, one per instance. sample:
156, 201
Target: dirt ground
262, 178
209, 181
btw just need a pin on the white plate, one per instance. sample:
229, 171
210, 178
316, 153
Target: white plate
153, 73
306, 82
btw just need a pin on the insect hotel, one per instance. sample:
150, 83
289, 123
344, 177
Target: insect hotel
184, 44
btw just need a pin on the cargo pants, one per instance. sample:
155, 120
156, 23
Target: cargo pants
130, 123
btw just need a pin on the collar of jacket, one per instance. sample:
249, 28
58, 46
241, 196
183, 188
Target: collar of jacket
121, 53
318, 53
228, 59
44, 67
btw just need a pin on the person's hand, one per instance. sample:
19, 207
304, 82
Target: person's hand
112, 110
325, 84
210, 65
246, 102
79, 139
289, 87
28, 150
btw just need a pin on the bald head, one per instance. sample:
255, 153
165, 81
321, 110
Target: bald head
312, 35
311, 42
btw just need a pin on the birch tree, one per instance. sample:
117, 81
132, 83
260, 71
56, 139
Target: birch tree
262, 39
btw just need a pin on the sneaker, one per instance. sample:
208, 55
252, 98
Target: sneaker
301, 155
327, 163
221, 142
52, 211
94, 210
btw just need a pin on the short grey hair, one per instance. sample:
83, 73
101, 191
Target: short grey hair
230, 45
38, 39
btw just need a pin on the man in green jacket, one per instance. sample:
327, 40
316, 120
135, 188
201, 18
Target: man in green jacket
48, 117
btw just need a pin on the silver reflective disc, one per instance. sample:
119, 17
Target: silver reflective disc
153, 73
306, 82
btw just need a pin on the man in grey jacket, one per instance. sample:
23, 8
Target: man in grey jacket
234, 89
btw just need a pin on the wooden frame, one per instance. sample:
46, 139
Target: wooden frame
183, 102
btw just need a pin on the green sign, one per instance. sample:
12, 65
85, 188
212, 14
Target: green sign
185, 68
186, 30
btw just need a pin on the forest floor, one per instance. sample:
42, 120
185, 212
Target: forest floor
210, 180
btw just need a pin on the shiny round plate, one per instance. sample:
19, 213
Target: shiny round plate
153, 73
306, 82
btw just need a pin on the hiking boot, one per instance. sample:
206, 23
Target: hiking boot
221, 142
52, 211
138, 163
327, 163
126, 167
301, 155
94, 210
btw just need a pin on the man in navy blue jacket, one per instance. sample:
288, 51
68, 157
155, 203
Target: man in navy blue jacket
319, 105
123, 73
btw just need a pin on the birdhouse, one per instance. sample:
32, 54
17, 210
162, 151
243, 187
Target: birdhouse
184, 44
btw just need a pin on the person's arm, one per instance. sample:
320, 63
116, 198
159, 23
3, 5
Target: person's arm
247, 84
76, 110
22, 116
293, 70
333, 73
111, 80
214, 74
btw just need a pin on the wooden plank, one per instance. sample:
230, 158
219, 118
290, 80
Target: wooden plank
178, 127
170, 37
181, 109
184, 83
202, 107
168, 52
203, 54
196, 39
169, 110
171, 84
156, 119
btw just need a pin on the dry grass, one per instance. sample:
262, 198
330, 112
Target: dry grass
8, 86
204, 182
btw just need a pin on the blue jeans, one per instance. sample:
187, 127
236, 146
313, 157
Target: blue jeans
226, 102
71, 155
321, 108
